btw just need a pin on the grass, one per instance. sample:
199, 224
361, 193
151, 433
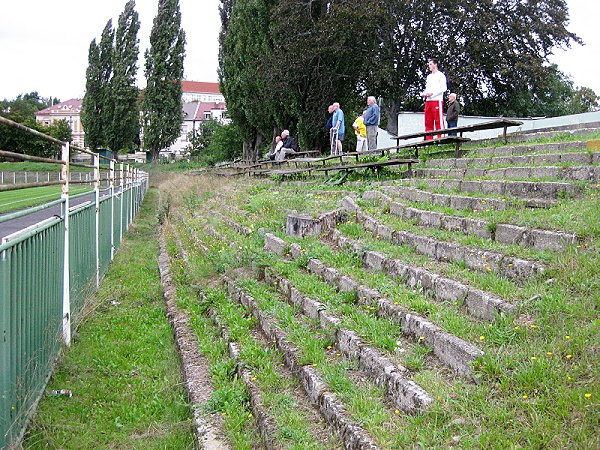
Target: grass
122, 367
26, 198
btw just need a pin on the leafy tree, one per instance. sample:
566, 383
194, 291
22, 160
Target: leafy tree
297, 59
22, 110
199, 140
98, 106
492, 52
244, 45
162, 104
225, 144
122, 126
92, 106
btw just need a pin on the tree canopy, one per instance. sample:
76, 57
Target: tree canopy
283, 61
110, 113
162, 104
22, 110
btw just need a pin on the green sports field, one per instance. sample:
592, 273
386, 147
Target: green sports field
25, 198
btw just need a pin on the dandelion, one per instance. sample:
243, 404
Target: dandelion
567, 337
534, 326
249, 414
329, 347
569, 378
569, 356
549, 353
481, 338
525, 397
587, 395
314, 365
253, 378
421, 338
533, 358
396, 412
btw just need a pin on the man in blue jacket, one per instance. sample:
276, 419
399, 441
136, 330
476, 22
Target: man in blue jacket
372, 122
338, 128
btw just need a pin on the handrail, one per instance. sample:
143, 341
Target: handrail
20, 126
8, 154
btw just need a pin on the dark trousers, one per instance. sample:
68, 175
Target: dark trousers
452, 124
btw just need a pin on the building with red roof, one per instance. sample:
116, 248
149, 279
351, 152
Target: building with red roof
201, 91
70, 111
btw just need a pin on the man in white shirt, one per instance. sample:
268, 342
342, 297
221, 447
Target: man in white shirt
435, 87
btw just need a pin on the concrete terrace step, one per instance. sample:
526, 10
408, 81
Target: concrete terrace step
533, 148
535, 135
520, 189
459, 202
449, 349
575, 173
502, 232
516, 269
315, 387
583, 158
404, 393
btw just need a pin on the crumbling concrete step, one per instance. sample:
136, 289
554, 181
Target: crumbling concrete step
583, 158
517, 137
516, 269
403, 392
530, 148
575, 173
519, 189
207, 430
449, 349
503, 232
332, 409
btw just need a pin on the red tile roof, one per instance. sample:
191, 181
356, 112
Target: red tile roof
69, 106
200, 87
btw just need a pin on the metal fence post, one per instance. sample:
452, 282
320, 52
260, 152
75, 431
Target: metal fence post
130, 185
97, 200
111, 184
66, 269
122, 186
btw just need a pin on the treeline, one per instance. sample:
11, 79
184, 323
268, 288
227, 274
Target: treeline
22, 110
113, 105
282, 62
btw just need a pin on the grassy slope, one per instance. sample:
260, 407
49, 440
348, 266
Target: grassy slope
122, 367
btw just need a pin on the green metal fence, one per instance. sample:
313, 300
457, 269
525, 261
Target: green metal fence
46, 273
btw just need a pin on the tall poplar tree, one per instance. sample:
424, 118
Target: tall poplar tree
162, 104
122, 126
97, 105
91, 111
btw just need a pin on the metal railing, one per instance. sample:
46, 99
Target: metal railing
49, 268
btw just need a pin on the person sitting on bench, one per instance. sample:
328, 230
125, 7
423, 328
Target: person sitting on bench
276, 148
289, 146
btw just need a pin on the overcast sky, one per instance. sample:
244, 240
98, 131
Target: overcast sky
44, 44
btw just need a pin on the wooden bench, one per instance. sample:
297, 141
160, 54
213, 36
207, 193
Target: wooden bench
490, 125
284, 173
371, 165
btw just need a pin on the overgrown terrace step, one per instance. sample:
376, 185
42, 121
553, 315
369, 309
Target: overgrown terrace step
207, 428
516, 269
332, 409
519, 189
531, 148
502, 232
575, 173
459, 202
266, 423
533, 136
449, 349
583, 158
404, 393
